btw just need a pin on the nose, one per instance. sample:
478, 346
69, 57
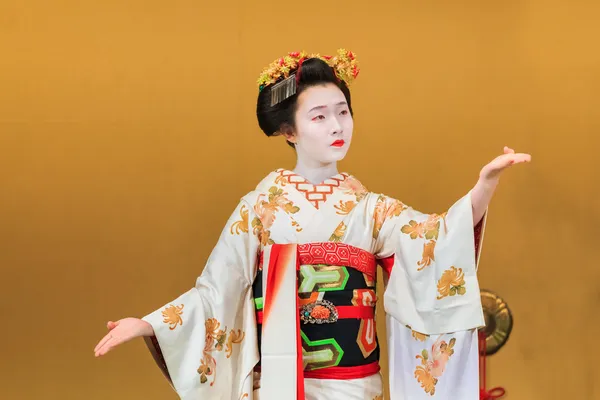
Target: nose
336, 127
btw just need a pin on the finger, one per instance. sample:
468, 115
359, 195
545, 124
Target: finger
106, 347
103, 341
508, 150
112, 325
522, 157
518, 158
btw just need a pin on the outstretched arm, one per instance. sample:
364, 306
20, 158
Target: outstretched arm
488, 180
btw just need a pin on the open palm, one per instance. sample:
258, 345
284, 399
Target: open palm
493, 170
120, 332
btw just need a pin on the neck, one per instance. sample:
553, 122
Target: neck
315, 174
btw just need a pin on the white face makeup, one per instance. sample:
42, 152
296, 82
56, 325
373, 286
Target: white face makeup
323, 126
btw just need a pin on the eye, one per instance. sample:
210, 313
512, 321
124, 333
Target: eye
318, 117
344, 112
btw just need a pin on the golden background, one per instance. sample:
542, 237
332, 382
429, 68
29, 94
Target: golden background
128, 134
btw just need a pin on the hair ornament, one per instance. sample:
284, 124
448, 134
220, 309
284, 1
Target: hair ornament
281, 73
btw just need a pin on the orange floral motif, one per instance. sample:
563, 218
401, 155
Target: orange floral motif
281, 180
421, 337
414, 229
384, 210
242, 225
265, 211
338, 234
432, 225
235, 337
428, 229
353, 186
296, 225
451, 283
172, 316
432, 366
345, 207
428, 255
215, 340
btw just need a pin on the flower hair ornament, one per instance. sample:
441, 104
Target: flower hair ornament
284, 73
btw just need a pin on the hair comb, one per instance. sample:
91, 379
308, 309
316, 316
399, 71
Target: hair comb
281, 73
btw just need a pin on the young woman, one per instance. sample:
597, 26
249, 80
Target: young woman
285, 306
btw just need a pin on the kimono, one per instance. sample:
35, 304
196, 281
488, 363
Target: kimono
285, 306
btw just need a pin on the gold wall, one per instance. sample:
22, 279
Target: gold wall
127, 136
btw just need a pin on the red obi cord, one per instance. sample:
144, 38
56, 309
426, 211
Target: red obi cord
485, 394
341, 373
344, 312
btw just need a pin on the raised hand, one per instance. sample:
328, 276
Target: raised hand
488, 180
120, 332
492, 171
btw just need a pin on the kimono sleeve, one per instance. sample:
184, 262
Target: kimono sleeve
432, 300
205, 340
432, 283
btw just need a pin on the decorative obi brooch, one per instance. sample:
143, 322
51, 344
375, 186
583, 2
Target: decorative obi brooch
319, 312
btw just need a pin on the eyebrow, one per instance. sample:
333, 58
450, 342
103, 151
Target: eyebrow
341, 103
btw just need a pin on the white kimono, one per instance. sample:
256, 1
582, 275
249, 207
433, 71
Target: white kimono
206, 340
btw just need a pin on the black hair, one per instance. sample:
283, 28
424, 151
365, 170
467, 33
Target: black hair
313, 72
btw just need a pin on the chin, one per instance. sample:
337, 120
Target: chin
337, 156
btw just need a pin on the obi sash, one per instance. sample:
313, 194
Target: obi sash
282, 363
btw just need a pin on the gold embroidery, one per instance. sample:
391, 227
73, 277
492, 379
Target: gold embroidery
215, 339
242, 225
369, 280
353, 187
432, 225
281, 180
451, 283
428, 255
264, 236
339, 232
344, 207
384, 210
364, 297
265, 211
430, 230
172, 316
296, 225
431, 369
421, 337
234, 338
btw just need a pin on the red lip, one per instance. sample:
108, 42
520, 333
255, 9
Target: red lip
338, 143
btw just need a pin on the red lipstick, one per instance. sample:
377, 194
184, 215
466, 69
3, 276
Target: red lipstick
338, 143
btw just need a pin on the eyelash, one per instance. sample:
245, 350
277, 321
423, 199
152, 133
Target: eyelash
318, 117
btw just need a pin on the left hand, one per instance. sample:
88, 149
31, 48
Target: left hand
491, 172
